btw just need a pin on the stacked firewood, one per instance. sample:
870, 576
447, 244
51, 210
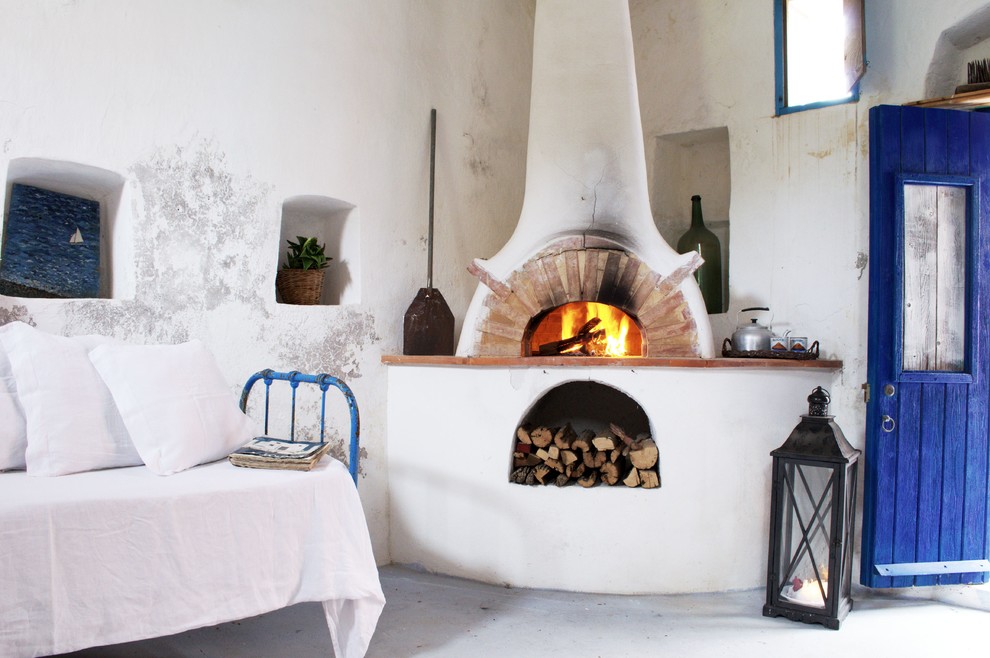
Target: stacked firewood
561, 456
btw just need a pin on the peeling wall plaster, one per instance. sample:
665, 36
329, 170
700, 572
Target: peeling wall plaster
255, 105
14, 313
202, 238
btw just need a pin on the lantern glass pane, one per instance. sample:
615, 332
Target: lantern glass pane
806, 530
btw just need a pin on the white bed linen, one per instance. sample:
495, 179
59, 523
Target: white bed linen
112, 556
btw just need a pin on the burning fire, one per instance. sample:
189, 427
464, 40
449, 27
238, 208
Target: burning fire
588, 329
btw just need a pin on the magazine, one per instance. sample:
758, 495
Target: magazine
266, 452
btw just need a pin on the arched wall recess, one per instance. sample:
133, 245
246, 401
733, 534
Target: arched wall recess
964, 41
689, 163
107, 188
336, 224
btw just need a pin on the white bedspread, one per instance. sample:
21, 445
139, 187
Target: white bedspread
118, 555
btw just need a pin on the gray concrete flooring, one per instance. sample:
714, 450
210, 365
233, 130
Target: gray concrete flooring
439, 616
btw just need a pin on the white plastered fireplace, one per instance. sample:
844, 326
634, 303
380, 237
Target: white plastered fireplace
586, 232
451, 422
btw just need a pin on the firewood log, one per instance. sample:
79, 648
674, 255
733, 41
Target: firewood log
589, 479
520, 475
610, 473
541, 436
564, 436
522, 433
645, 454
650, 479
604, 443
594, 459
632, 480
583, 441
519, 459
619, 432
543, 474
578, 344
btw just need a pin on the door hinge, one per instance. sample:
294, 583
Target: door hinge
866, 392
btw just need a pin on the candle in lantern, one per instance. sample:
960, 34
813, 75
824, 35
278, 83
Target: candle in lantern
806, 592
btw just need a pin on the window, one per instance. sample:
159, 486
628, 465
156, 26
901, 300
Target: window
820, 52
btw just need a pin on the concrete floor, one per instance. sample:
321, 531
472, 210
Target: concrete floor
438, 616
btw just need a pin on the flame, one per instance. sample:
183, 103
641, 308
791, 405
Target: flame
620, 336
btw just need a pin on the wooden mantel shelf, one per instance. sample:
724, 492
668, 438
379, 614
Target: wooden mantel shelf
590, 361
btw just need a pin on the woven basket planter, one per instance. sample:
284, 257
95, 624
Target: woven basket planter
299, 286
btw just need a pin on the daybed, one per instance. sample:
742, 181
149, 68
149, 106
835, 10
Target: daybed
119, 554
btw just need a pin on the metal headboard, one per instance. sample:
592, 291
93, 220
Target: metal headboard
324, 381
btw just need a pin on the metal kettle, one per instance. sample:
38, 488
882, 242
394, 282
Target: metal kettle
751, 337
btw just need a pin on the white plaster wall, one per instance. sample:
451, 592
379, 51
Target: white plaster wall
216, 111
799, 211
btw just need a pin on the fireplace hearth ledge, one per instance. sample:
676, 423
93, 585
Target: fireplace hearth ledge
613, 362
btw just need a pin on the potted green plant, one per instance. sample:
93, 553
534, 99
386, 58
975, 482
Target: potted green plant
300, 281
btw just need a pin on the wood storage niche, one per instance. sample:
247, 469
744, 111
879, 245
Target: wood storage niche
588, 434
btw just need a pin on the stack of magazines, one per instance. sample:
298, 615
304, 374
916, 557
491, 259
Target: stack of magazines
265, 452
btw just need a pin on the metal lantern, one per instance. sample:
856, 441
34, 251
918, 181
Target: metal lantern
812, 507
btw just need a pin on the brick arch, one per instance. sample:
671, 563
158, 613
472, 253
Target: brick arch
605, 275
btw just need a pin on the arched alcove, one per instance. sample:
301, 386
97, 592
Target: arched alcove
966, 40
84, 182
585, 433
588, 404
689, 163
334, 223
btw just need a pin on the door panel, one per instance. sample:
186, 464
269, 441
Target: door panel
926, 476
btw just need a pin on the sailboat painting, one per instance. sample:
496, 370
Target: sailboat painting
51, 245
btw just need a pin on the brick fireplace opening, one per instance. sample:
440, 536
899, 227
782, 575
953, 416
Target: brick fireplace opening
564, 274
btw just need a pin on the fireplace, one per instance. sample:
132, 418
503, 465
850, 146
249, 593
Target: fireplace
585, 232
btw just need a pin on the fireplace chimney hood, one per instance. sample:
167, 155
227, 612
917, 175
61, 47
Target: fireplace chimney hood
586, 199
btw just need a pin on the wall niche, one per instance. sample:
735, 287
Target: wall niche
333, 223
62, 234
689, 163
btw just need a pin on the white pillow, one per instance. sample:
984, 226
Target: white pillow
13, 434
72, 423
175, 403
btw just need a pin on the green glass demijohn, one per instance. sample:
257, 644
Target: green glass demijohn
709, 275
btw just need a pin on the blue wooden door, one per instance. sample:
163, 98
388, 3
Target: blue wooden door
926, 476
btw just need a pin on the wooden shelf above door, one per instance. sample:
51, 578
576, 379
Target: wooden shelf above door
970, 100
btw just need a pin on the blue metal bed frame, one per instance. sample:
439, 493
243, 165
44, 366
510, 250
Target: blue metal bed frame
324, 381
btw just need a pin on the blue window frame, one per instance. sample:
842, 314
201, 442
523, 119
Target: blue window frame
834, 65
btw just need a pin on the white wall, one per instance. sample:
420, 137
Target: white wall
216, 111
799, 211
